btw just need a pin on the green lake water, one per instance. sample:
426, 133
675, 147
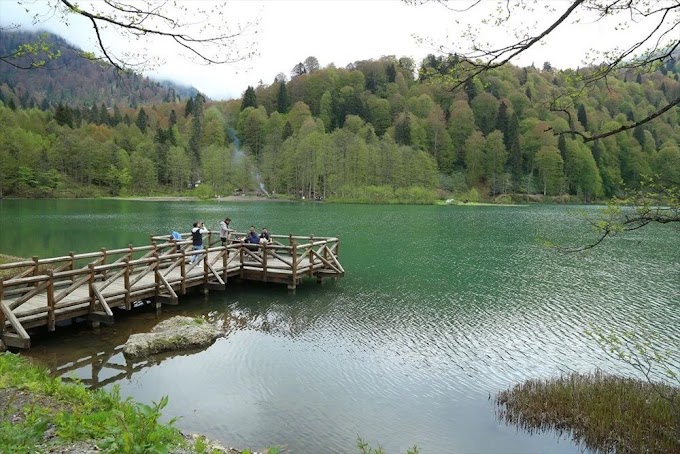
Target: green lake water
441, 307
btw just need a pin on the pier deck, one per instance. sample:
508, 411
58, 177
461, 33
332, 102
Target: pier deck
44, 291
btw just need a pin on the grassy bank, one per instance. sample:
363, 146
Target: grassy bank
601, 412
41, 414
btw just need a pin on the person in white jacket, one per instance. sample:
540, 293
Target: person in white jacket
197, 238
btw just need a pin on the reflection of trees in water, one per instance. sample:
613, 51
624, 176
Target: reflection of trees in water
109, 365
288, 319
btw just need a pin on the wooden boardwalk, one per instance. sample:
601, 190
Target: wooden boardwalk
44, 291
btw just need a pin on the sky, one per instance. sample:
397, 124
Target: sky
338, 32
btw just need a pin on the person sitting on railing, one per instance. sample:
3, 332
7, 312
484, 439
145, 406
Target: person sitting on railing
197, 238
264, 236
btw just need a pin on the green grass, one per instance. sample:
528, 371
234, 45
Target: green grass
601, 412
34, 400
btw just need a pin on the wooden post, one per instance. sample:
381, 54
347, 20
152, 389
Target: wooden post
105, 273
291, 286
264, 261
183, 273
73, 261
2, 314
241, 254
156, 272
206, 269
35, 265
90, 287
51, 318
126, 282
157, 278
225, 260
325, 256
311, 255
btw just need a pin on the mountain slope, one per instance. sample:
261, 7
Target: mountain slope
71, 79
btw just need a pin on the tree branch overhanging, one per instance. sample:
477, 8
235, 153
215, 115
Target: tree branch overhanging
659, 41
209, 43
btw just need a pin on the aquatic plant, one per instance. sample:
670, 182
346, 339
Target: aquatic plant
602, 412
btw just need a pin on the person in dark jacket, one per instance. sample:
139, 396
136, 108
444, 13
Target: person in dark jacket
197, 238
252, 236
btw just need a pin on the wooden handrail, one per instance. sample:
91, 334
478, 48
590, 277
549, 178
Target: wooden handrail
24, 280
8, 266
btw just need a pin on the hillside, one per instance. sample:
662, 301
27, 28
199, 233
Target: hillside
376, 130
73, 80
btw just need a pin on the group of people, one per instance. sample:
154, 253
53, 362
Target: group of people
252, 237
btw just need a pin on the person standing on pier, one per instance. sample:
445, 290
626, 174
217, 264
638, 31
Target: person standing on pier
197, 238
225, 231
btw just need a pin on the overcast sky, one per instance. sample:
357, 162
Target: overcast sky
338, 32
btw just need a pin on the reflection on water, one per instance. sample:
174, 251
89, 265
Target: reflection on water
440, 308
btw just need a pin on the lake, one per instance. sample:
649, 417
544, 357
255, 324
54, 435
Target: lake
441, 307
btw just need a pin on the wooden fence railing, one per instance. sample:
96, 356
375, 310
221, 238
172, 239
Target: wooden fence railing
43, 291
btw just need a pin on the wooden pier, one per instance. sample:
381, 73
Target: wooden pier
44, 291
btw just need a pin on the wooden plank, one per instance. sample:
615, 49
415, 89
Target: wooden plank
11, 318
14, 340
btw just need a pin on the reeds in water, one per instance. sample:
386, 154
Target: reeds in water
601, 412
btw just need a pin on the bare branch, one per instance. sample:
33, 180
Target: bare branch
153, 20
590, 138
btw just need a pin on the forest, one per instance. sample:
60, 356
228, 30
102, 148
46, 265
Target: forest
383, 130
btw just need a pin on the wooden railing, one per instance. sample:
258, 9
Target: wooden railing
43, 291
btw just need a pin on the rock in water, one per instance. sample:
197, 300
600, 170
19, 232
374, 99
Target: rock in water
176, 333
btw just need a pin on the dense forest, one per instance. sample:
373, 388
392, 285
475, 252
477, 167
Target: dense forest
377, 130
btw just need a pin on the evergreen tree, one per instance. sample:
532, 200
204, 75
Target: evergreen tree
104, 118
582, 116
45, 104
142, 120
282, 99
172, 120
11, 104
391, 72
502, 122
249, 99
287, 131
189, 108
402, 130
196, 134
562, 146
511, 140
116, 118
93, 116
597, 151
63, 116
639, 135
638, 79
298, 70
471, 90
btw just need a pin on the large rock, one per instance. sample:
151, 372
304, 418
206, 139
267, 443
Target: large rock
3, 347
176, 333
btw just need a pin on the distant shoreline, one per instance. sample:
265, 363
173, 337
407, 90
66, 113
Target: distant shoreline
231, 198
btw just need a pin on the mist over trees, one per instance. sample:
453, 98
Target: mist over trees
374, 130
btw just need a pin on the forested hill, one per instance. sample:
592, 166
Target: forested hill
381, 130
69, 78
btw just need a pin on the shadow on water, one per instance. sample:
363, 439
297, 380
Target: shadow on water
94, 356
